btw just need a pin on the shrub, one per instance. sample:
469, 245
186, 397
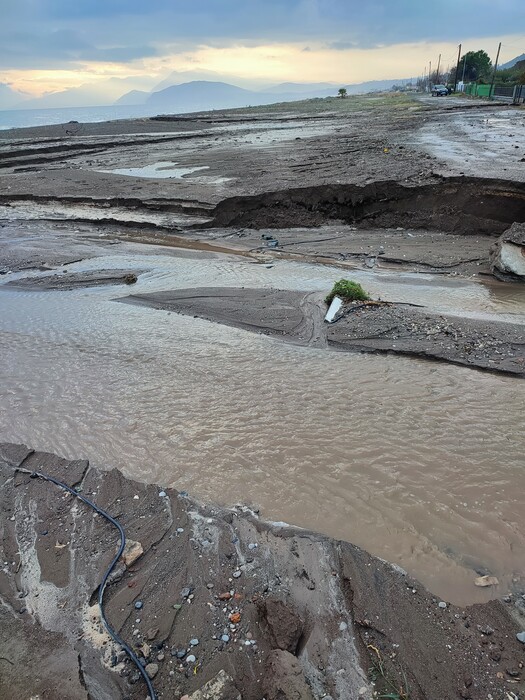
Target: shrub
348, 291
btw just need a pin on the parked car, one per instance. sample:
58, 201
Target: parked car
439, 91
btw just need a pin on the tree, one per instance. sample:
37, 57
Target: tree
342, 92
477, 65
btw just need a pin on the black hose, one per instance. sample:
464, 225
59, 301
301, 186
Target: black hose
102, 587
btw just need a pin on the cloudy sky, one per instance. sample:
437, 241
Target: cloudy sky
49, 45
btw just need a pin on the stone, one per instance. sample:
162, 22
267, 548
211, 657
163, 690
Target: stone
485, 581
139, 605
185, 593
442, 605
225, 638
507, 255
220, 687
152, 670
152, 633
132, 551
284, 678
191, 659
236, 574
521, 637
194, 642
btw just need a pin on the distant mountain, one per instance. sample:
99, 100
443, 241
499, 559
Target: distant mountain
133, 97
511, 64
300, 88
200, 95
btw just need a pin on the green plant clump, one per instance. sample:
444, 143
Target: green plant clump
348, 291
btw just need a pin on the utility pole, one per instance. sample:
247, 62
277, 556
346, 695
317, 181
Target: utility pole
457, 69
429, 76
494, 72
437, 71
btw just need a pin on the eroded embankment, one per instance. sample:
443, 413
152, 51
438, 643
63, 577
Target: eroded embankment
285, 613
457, 204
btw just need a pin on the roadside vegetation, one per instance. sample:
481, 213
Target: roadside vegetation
347, 291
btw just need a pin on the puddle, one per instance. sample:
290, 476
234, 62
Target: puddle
164, 170
419, 463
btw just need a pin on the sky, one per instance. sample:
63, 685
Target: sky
118, 45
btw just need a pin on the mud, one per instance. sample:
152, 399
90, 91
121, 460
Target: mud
378, 328
74, 280
309, 612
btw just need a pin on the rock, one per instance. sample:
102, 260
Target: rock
194, 642
221, 687
521, 637
284, 624
191, 659
235, 618
162, 494
442, 605
507, 255
225, 596
284, 679
185, 593
236, 574
132, 551
152, 633
484, 581
139, 605
225, 638
485, 629
160, 657
152, 670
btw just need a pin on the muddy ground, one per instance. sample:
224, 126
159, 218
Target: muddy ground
297, 317
285, 613
378, 182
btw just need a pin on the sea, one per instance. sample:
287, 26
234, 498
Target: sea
16, 118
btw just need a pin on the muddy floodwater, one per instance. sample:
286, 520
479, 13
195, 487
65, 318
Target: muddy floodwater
418, 462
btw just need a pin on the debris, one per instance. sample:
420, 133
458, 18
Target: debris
333, 310
225, 596
235, 618
484, 581
221, 687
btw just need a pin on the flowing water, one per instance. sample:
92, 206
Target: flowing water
420, 463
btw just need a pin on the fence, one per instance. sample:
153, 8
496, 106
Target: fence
514, 94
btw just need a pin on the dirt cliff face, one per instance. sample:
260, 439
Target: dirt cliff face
218, 597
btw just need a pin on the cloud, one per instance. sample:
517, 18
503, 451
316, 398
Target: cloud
33, 31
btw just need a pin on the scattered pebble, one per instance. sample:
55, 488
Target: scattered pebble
160, 657
139, 604
135, 498
521, 637
185, 593
343, 626
191, 659
162, 494
180, 529
236, 574
152, 670
225, 638
442, 605
194, 642
252, 546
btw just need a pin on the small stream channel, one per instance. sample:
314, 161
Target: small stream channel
419, 463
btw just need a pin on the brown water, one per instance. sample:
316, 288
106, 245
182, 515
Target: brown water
420, 463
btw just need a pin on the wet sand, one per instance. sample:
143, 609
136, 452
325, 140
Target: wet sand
283, 612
